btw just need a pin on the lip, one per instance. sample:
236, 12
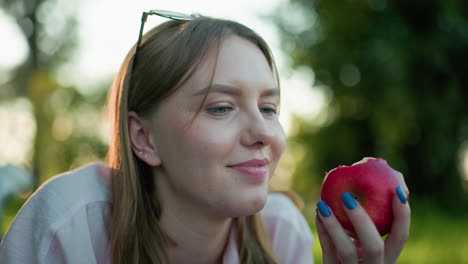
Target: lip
255, 168
252, 163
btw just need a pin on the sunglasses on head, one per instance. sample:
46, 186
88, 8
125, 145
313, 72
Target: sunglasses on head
162, 13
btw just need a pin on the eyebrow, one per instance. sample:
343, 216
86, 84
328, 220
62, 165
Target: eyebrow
231, 90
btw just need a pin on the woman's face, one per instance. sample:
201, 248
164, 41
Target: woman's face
236, 124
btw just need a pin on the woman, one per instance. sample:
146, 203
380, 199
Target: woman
195, 141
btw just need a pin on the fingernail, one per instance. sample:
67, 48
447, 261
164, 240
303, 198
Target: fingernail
401, 194
318, 216
323, 208
348, 200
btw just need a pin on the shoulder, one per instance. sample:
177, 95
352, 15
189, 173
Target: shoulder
69, 205
67, 192
288, 229
83, 181
281, 208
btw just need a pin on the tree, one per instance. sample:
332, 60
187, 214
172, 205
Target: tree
49, 28
395, 74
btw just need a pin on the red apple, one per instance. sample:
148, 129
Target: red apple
372, 182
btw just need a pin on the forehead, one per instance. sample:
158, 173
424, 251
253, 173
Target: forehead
240, 58
236, 62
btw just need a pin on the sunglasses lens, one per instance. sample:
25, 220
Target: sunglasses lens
171, 15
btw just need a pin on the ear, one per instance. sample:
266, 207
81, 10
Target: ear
141, 139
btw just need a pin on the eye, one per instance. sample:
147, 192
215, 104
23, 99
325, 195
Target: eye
220, 110
271, 110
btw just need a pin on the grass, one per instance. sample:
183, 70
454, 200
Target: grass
435, 238
11, 208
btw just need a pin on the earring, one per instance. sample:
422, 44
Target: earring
141, 153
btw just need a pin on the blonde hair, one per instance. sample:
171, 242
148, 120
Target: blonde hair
167, 57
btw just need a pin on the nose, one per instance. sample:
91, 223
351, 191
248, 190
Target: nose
257, 132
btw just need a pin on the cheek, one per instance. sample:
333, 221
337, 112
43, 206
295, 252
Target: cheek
279, 141
221, 140
212, 139
202, 140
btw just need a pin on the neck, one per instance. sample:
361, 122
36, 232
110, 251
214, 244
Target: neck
197, 239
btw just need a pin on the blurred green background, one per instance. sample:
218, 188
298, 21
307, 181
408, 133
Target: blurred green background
393, 74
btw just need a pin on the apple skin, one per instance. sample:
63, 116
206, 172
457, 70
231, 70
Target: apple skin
372, 182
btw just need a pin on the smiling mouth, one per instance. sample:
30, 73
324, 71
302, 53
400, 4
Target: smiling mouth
253, 172
252, 163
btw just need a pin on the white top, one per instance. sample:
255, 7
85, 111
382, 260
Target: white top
65, 221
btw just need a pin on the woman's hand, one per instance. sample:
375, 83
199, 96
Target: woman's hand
337, 247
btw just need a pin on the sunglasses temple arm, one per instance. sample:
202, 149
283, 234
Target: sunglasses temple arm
144, 17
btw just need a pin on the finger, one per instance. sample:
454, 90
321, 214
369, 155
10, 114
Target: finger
357, 243
371, 243
401, 181
344, 247
328, 250
400, 227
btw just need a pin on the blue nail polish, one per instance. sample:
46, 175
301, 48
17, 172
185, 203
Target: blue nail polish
323, 208
348, 200
401, 194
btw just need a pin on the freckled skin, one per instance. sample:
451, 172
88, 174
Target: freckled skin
194, 176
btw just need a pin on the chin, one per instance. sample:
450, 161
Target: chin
251, 205
258, 204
